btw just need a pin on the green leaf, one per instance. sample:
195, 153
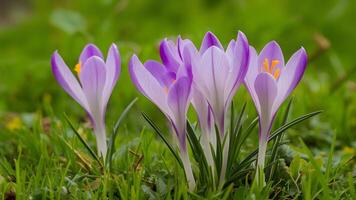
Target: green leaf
160, 134
274, 157
111, 148
86, 145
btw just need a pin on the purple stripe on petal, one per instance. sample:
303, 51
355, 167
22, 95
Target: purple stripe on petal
210, 40
89, 51
67, 80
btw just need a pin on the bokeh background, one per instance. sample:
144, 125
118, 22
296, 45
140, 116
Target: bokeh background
31, 30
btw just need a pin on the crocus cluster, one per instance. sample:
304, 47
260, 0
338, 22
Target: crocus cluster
207, 78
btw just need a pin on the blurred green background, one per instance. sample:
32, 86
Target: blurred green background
31, 30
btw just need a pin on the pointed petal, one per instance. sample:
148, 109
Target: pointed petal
201, 107
272, 51
238, 67
67, 80
210, 40
89, 51
169, 55
291, 75
113, 69
266, 90
164, 77
251, 75
210, 74
93, 77
178, 101
148, 85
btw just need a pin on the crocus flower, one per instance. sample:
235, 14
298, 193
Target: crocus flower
178, 55
97, 79
269, 82
216, 76
170, 91
217, 73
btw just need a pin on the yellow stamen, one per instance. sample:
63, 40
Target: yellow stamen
77, 68
273, 64
266, 65
271, 69
276, 73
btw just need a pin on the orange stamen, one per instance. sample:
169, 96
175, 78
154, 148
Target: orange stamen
77, 68
273, 64
266, 65
277, 73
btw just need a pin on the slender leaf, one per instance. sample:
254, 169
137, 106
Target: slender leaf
115, 131
160, 134
86, 145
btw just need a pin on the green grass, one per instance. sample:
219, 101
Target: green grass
43, 158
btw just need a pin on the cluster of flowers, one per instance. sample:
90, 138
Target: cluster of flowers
207, 77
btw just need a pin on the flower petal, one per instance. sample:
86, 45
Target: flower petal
113, 68
238, 67
89, 51
201, 107
164, 77
266, 90
291, 75
178, 101
93, 77
148, 85
67, 80
169, 55
272, 51
252, 72
209, 40
210, 73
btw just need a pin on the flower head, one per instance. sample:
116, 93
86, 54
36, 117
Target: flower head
97, 79
269, 82
218, 73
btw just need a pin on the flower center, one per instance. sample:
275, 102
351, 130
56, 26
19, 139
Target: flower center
271, 69
77, 67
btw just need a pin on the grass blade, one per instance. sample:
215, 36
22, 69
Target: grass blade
115, 132
160, 134
86, 145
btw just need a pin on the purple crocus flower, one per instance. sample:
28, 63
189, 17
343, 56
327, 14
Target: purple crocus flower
97, 79
178, 55
216, 76
170, 90
218, 73
269, 82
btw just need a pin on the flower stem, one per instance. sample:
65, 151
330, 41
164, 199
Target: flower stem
260, 177
100, 134
188, 169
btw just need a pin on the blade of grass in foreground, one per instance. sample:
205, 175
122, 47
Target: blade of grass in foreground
86, 145
115, 131
160, 134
